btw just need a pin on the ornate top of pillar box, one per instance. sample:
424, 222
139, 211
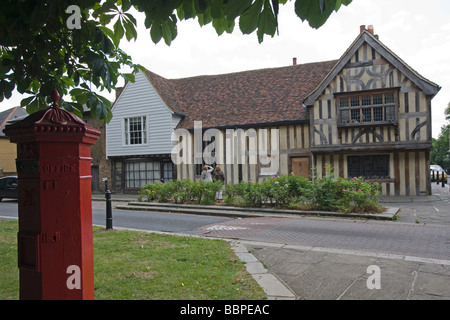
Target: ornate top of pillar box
52, 125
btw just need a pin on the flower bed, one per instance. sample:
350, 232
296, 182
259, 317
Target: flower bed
289, 192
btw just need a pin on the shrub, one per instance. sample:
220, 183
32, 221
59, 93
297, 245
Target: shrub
327, 193
181, 191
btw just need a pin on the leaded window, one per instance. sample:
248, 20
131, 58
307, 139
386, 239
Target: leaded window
368, 108
368, 167
140, 173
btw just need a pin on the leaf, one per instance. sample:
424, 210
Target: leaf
276, 7
36, 105
106, 18
169, 31
27, 101
101, 110
126, 5
8, 88
339, 3
248, 21
267, 23
107, 6
130, 77
204, 18
99, 106
222, 25
131, 18
217, 9
234, 8
315, 12
188, 9
302, 8
118, 31
109, 33
201, 6
130, 30
103, 39
73, 107
156, 32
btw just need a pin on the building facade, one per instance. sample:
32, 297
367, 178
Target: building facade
367, 114
371, 117
8, 150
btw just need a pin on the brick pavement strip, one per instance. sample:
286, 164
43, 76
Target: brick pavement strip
416, 240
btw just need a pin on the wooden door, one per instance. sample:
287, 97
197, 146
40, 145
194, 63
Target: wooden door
300, 166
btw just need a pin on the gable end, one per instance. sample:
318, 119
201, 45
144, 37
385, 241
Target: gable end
428, 87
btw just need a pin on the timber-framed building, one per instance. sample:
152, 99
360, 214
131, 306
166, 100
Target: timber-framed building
367, 114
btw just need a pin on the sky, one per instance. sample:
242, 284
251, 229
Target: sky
417, 31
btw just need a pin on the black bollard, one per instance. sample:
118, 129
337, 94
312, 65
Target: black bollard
437, 177
109, 219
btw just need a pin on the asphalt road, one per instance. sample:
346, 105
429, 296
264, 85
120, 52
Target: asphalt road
163, 222
371, 237
431, 241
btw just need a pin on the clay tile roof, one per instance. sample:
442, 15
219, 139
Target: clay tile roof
257, 97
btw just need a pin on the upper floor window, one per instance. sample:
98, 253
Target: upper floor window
135, 130
368, 108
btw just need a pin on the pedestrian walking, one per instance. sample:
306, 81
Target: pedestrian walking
218, 175
206, 173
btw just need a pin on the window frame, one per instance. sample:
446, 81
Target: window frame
139, 172
128, 139
357, 107
383, 159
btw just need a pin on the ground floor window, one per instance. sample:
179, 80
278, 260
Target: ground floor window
167, 168
140, 173
368, 167
134, 174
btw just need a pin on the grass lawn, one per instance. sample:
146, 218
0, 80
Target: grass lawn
137, 265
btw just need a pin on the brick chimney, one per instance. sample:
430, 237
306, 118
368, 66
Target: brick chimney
362, 28
370, 29
294, 61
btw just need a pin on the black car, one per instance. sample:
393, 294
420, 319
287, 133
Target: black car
8, 188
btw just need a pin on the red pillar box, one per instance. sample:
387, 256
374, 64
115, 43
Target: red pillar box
55, 245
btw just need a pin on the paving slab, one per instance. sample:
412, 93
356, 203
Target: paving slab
328, 275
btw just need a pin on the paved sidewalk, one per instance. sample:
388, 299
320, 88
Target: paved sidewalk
425, 209
325, 274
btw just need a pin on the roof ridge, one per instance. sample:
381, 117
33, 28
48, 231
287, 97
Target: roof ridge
13, 110
247, 71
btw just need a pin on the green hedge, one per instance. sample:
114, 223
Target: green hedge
293, 192
181, 191
325, 194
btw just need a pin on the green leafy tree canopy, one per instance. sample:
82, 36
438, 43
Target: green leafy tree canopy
440, 154
45, 46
